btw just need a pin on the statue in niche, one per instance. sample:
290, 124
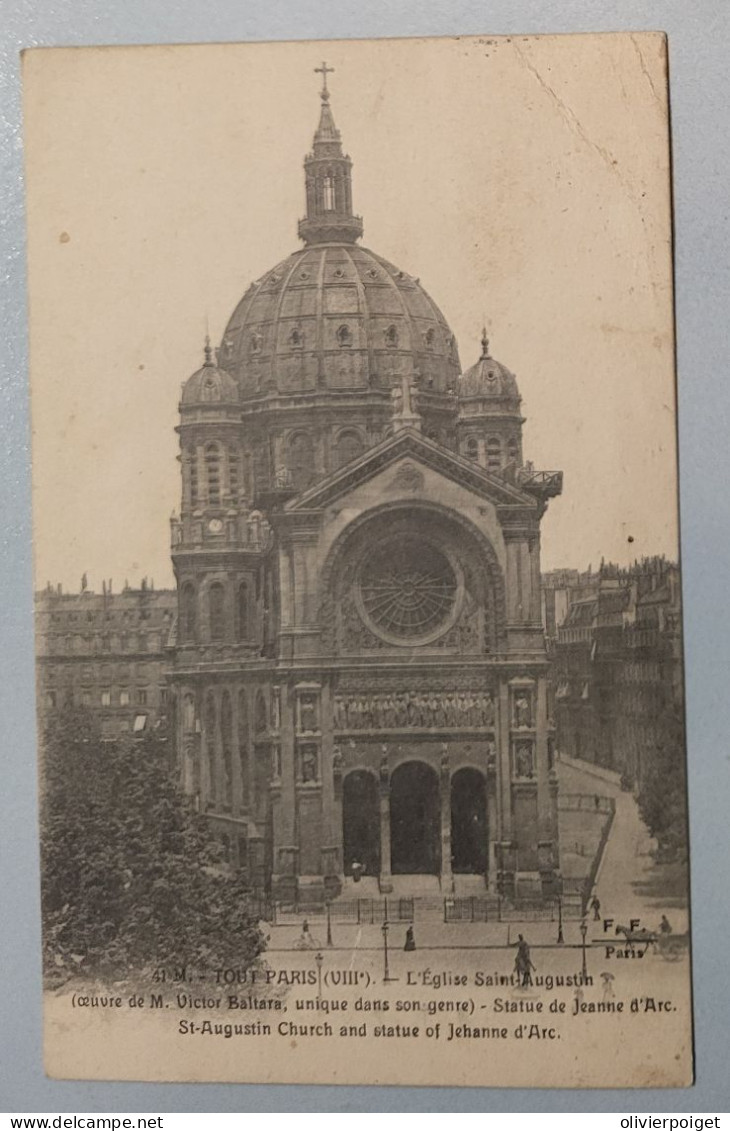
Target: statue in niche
308, 721
522, 710
486, 705
309, 763
523, 761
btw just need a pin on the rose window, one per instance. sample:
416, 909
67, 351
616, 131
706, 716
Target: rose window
408, 589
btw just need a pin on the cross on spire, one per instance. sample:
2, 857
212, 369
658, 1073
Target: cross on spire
324, 70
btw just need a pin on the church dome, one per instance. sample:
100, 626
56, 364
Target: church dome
336, 315
209, 385
488, 378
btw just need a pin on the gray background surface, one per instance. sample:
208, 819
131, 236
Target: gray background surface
699, 47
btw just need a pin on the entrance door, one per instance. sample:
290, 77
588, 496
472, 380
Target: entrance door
361, 822
415, 821
468, 822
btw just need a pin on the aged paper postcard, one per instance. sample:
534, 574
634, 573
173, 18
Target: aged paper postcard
360, 682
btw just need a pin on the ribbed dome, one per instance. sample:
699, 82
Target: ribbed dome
337, 316
488, 378
209, 385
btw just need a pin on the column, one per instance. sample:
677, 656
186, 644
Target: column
331, 803
493, 834
447, 879
504, 764
536, 602
544, 815
504, 793
386, 880
286, 868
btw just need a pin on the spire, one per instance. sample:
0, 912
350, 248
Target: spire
328, 180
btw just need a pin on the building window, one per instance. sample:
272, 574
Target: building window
213, 474
494, 453
188, 613
391, 337
472, 448
106, 698
347, 448
106, 644
328, 195
142, 696
242, 722
193, 465
242, 611
513, 450
300, 459
430, 337
227, 745
163, 696
216, 611
140, 722
123, 698
296, 339
344, 337
233, 473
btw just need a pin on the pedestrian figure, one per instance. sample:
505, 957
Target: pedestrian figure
410, 940
357, 870
608, 994
665, 927
596, 907
523, 963
305, 940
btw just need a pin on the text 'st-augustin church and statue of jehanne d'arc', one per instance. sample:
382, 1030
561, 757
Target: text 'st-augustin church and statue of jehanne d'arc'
360, 665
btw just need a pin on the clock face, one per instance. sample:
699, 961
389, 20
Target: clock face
215, 526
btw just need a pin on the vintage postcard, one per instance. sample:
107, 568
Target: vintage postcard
359, 625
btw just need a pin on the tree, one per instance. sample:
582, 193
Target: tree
131, 877
663, 790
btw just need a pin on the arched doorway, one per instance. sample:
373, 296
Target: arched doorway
468, 822
415, 821
361, 822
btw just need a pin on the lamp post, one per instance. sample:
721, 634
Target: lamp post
583, 933
560, 920
318, 959
329, 925
386, 971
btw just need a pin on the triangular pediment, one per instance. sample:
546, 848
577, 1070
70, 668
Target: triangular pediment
410, 444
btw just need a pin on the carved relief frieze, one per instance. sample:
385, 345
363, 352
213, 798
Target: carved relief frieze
414, 709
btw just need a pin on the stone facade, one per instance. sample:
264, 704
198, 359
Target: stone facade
360, 667
616, 648
106, 652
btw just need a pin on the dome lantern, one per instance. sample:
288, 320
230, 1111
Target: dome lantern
328, 182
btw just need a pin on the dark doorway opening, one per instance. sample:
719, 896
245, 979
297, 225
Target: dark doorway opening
415, 820
469, 822
361, 822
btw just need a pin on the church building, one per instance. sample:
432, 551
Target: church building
359, 667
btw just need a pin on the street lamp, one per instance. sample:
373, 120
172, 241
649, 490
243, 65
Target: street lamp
318, 959
560, 919
386, 971
583, 933
329, 925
